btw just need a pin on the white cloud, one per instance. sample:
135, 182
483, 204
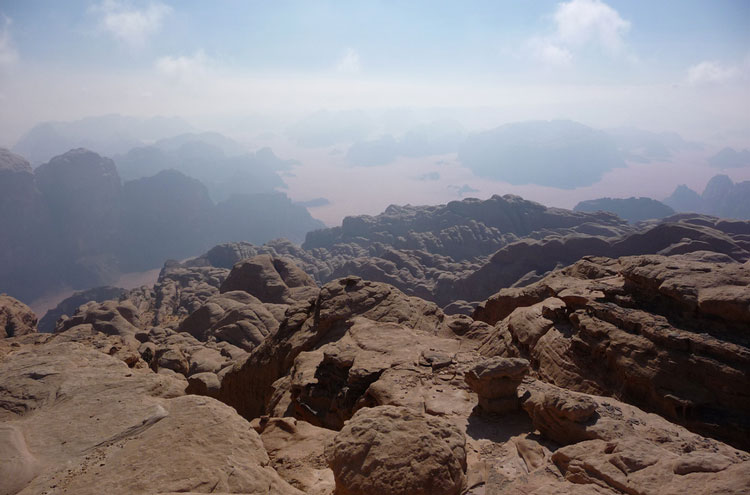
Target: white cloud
128, 24
8, 52
349, 63
183, 68
581, 23
548, 52
711, 72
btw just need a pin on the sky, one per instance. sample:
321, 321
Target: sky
667, 65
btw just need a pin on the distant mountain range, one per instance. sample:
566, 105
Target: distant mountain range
107, 135
721, 197
217, 161
71, 222
631, 209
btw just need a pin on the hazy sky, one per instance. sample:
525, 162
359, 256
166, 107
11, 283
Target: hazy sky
681, 65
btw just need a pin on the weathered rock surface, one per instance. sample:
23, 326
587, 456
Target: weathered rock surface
496, 382
394, 450
665, 333
70, 304
135, 431
308, 325
272, 280
611, 445
235, 317
377, 363
139, 344
296, 450
15, 317
526, 261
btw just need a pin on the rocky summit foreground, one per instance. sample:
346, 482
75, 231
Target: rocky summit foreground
610, 376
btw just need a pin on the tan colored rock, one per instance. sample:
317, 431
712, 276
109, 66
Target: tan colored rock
173, 359
394, 450
496, 381
296, 449
85, 423
309, 325
235, 317
271, 279
15, 317
665, 333
373, 364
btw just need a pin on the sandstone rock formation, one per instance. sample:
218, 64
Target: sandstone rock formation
664, 333
308, 325
84, 422
614, 375
15, 317
496, 382
69, 305
272, 280
385, 450
607, 444
359, 388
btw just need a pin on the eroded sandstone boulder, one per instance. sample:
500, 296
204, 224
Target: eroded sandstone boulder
235, 317
15, 317
394, 450
270, 279
496, 382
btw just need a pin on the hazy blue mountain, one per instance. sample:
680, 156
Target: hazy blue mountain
558, 153
380, 151
258, 218
721, 197
227, 145
324, 128
168, 215
645, 146
435, 138
223, 175
314, 203
730, 158
631, 209
685, 199
72, 223
106, 135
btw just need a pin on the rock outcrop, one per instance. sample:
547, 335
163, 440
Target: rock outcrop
272, 280
383, 450
357, 387
605, 444
496, 382
15, 317
309, 325
130, 430
664, 333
